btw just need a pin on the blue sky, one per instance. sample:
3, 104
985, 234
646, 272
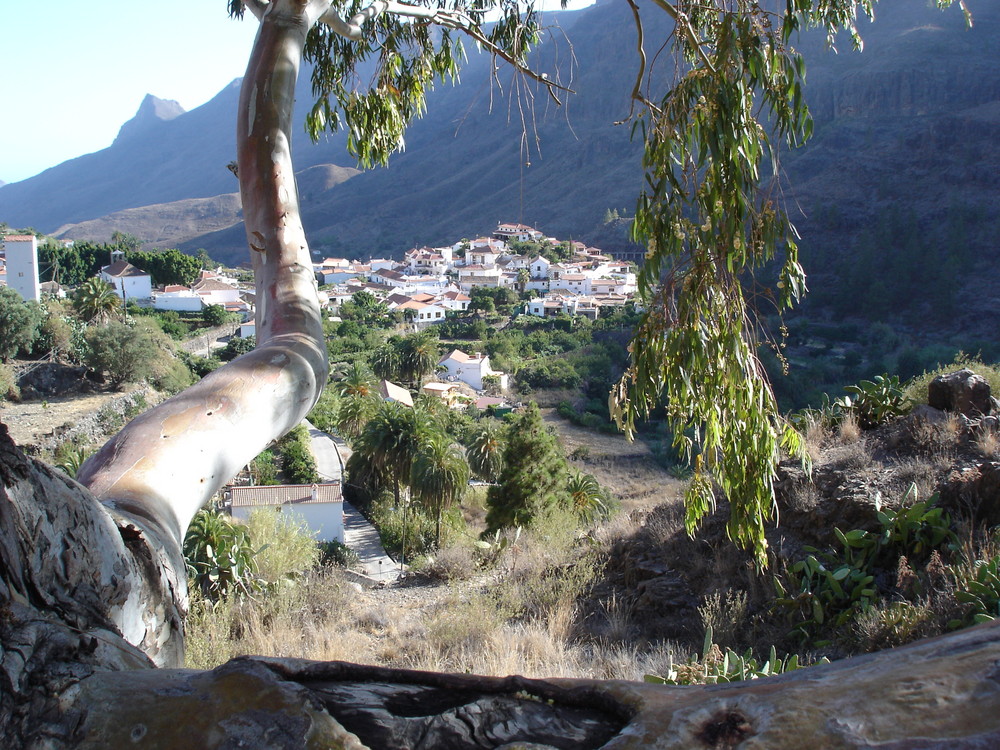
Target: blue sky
75, 72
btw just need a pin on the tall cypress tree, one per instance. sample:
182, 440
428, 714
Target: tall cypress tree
534, 476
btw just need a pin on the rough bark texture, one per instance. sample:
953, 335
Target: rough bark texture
92, 585
942, 693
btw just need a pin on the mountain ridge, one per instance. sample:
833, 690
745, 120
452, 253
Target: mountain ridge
910, 122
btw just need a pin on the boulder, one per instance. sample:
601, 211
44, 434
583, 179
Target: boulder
963, 391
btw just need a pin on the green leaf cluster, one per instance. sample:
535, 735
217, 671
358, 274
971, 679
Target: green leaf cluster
980, 590
220, 557
876, 401
829, 589
715, 666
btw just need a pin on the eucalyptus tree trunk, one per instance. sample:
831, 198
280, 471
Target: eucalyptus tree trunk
93, 585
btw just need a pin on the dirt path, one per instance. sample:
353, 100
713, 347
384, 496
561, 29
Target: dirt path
29, 421
627, 469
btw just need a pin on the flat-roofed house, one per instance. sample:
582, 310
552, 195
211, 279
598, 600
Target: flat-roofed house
471, 369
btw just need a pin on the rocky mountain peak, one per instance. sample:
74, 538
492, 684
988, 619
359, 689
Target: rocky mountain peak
153, 110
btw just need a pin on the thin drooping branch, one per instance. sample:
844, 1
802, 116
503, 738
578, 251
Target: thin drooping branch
452, 19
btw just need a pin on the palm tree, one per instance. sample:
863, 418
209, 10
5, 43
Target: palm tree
485, 450
389, 443
523, 277
589, 499
357, 382
439, 476
353, 413
96, 300
419, 356
386, 361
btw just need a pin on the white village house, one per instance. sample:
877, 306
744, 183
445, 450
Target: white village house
129, 282
470, 369
319, 506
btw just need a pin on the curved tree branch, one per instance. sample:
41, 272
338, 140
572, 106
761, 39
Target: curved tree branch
166, 464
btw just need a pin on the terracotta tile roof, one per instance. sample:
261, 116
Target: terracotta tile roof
412, 304
211, 285
459, 356
19, 238
121, 269
285, 494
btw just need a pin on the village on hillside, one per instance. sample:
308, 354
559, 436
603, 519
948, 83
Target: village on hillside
428, 285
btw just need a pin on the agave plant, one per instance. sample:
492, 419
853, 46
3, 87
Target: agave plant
220, 557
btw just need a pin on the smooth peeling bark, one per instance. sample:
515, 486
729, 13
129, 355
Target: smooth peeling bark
166, 464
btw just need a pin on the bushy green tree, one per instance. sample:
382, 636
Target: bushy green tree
19, 323
236, 346
128, 352
73, 265
166, 266
216, 315
534, 474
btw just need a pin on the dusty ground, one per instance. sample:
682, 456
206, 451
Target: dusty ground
627, 469
30, 420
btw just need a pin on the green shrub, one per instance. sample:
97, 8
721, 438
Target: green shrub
286, 547
236, 346
876, 401
297, 461
408, 530
830, 589
335, 553
264, 468
978, 586
715, 666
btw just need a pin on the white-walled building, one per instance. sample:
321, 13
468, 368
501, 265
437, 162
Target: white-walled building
453, 300
320, 506
517, 233
177, 297
422, 313
129, 282
577, 283
22, 265
429, 261
216, 292
470, 369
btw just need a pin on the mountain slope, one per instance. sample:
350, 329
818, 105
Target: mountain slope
911, 123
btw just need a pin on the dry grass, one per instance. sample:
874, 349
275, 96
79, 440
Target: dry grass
988, 444
520, 617
815, 437
627, 470
848, 431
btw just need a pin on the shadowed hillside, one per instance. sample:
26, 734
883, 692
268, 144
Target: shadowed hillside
906, 136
